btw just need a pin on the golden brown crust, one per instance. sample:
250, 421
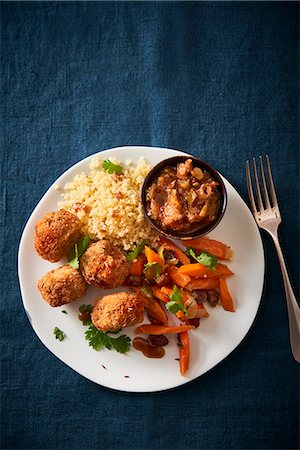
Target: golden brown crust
56, 233
61, 286
104, 265
119, 310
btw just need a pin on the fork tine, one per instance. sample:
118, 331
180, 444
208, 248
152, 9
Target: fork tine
259, 200
250, 189
272, 187
266, 195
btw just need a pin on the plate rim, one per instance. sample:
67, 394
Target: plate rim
28, 224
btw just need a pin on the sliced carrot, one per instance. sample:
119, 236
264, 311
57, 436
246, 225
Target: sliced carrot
211, 246
202, 283
225, 297
153, 307
180, 314
179, 278
197, 270
137, 266
179, 254
167, 291
160, 329
157, 292
152, 256
223, 270
184, 352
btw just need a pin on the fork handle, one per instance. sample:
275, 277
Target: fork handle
292, 305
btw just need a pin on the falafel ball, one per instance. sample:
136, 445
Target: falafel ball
115, 311
56, 233
61, 286
104, 265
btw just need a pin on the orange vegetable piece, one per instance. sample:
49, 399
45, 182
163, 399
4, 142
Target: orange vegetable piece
157, 292
160, 329
167, 291
180, 314
179, 278
197, 270
225, 297
180, 255
137, 266
153, 307
223, 270
184, 352
153, 257
211, 246
202, 283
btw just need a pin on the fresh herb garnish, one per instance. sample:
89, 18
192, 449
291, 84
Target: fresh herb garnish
64, 311
203, 258
78, 251
176, 303
59, 334
99, 340
111, 167
136, 251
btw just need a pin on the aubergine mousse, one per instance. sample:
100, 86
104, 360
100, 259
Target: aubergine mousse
183, 197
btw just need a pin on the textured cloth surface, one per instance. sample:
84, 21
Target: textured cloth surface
219, 80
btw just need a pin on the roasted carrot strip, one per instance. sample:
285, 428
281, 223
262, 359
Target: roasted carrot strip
137, 266
202, 283
180, 314
153, 257
179, 278
197, 270
225, 297
179, 254
167, 291
223, 270
157, 292
153, 307
184, 352
211, 246
159, 329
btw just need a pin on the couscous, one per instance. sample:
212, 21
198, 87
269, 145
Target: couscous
109, 205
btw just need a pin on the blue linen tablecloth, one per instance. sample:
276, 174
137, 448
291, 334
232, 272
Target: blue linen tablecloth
219, 80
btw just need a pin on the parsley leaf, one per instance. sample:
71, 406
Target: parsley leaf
111, 167
136, 251
99, 340
176, 303
204, 258
78, 251
59, 334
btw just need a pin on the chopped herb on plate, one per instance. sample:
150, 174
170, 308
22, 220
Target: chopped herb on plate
59, 334
78, 251
99, 340
111, 167
203, 258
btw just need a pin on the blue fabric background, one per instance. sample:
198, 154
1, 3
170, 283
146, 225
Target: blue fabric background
219, 80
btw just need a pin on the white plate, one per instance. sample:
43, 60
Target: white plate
216, 337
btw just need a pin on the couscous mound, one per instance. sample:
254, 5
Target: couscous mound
109, 205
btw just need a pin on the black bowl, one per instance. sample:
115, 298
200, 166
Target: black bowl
196, 232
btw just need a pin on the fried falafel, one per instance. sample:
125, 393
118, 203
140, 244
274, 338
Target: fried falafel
55, 234
61, 286
119, 310
104, 265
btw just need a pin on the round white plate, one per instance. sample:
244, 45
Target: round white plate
216, 337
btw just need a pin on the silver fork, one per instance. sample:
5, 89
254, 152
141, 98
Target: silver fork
268, 218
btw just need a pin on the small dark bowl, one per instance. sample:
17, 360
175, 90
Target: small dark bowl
196, 232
